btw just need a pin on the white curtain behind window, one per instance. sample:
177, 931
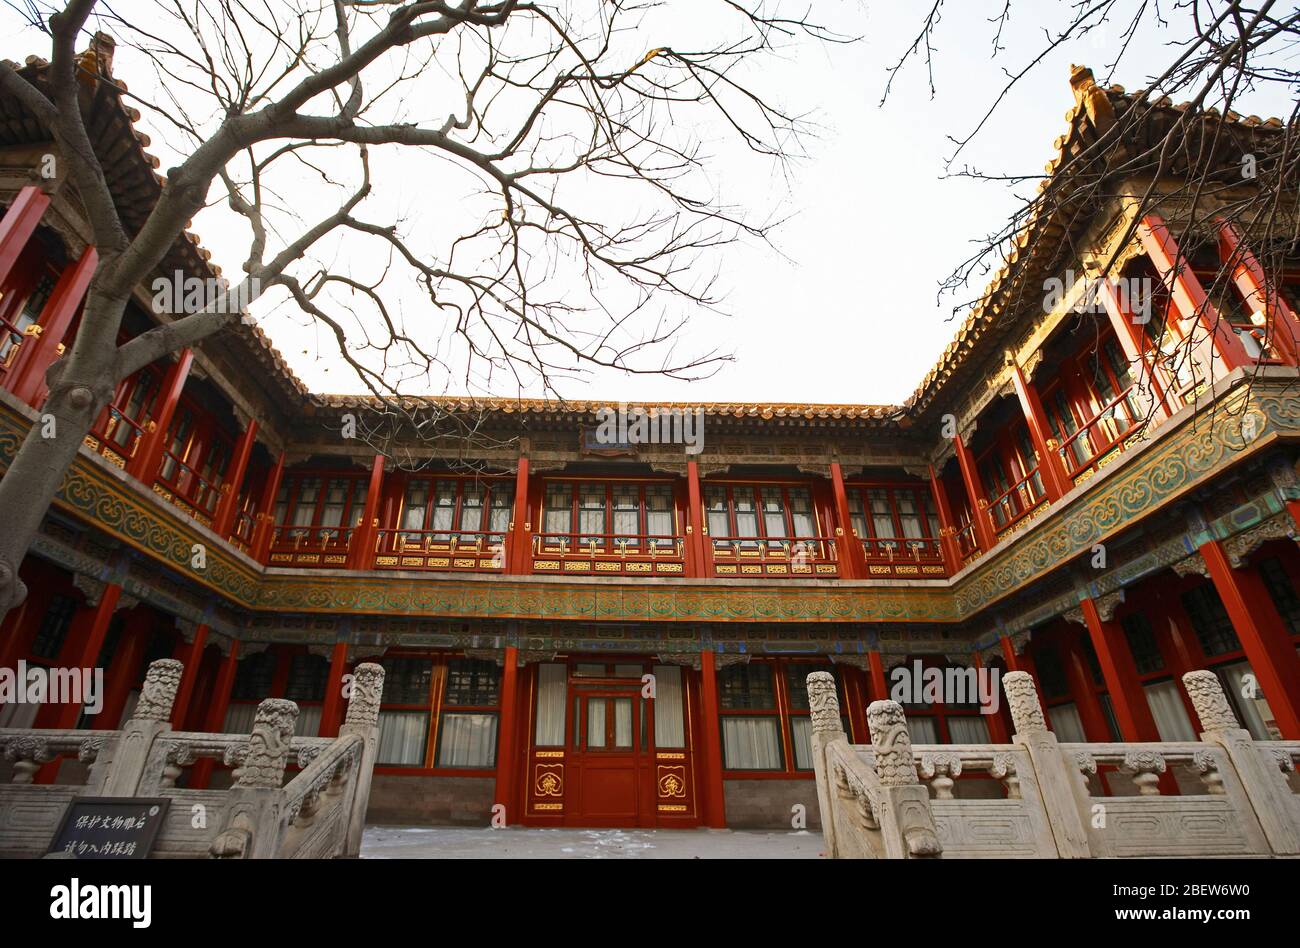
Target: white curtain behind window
1168, 710
922, 730
1249, 702
801, 732
239, 718
1066, 724
308, 724
552, 684
670, 721
751, 743
468, 740
401, 738
968, 730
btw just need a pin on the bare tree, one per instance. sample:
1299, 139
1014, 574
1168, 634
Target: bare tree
1214, 55
596, 225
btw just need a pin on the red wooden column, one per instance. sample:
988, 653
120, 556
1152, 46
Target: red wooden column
1009, 655
520, 553
215, 719
1079, 678
1129, 701
35, 356
18, 225
81, 650
224, 518
947, 525
331, 712
1187, 293
850, 545
144, 465
189, 654
985, 536
362, 553
715, 814
1264, 636
125, 666
876, 676
1282, 323
696, 525
507, 730
1130, 337
856, 699
996, 722
1055, 481
264, 528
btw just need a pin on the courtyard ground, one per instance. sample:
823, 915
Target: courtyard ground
439, 842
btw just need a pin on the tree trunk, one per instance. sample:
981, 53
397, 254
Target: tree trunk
80, 386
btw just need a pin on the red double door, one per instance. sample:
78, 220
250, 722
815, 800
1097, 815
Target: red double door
609, 771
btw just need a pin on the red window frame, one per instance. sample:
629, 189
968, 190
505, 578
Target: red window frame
329, 540
577, 541
196, 457
1017, 490
897, 547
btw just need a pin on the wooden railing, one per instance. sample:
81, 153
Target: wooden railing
903, 556
104, 436
1017, 502
1098, 435
766, 556
455, 550
609, 553
311, 546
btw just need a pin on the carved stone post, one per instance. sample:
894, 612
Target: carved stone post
1256, 768
1062, 796
132, 769
363, 721
254, 822
827, 729
906, 823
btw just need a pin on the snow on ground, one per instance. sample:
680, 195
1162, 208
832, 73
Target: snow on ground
447, 842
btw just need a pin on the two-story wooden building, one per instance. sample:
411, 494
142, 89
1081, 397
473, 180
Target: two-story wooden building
1059, 495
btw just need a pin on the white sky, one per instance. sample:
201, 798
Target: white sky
845, 309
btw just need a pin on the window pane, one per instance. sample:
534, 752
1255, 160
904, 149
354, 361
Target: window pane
1142, 643
1252, 710
503, 505
407, 680
413, 509
751, 743
969, 730
471, 507
801, 516
796, 682
1167, 708
467, 740
559, 516
308, 678
746, 514
715, 499
627, 510
922, 730
552, 684
773, 512
801, 742
1066, 724
1210, 620
402, 736
670, 719
882, 517
746, 687
472, 683
659, 513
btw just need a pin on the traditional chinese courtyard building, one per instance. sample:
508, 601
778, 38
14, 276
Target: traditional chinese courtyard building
1055, 497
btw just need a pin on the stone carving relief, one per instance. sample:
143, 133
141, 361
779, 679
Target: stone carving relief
161, 682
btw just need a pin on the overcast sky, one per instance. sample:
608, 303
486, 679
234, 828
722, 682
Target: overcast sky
844, 308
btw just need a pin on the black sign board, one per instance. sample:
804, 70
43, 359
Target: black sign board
109, 827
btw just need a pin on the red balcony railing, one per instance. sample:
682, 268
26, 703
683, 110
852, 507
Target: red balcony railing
311, 546
445, 550
188, 489
609, 554
967, 544
1017, 501
766, 556
115, 436
1106, 430
903, 556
